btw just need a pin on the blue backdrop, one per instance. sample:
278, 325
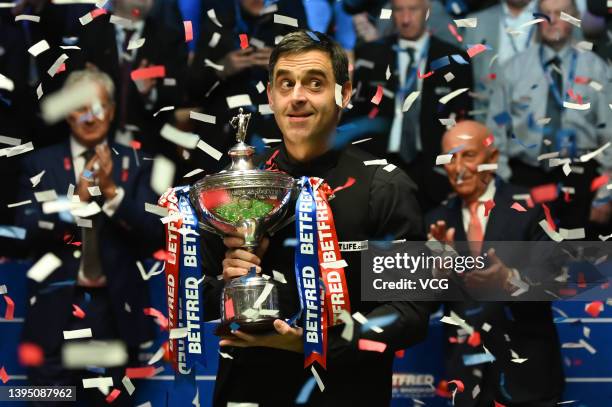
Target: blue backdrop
589, 376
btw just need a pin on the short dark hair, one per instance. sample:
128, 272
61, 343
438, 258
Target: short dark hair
303, 41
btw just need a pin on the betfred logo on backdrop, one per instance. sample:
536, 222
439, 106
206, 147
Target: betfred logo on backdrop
409, 385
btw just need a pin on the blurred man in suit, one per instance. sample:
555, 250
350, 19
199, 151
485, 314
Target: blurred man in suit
531, 333
409, 136
548, 109
97, 253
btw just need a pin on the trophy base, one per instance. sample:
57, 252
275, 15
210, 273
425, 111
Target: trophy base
263, 326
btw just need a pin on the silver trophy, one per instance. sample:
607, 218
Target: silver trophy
246, 202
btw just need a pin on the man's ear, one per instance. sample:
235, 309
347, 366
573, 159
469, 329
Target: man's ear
268, 92
347, 89
493, 155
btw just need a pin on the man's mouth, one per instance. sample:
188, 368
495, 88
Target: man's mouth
298, 117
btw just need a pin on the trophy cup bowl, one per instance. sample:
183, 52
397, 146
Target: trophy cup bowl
246, 202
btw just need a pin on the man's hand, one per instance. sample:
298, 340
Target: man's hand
601, 214
439, 232
364, 28
235, 62
145, 85
104, 174
261, 57
285, 338
238, 261
495, 277
83, 183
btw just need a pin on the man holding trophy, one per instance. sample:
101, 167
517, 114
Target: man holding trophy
287, 284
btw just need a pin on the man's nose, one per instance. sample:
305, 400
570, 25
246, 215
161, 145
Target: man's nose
299, 93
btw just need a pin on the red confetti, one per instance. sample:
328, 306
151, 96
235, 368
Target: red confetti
453, 339
427, 75
30, 354
599, 182
97, 12
378, 96
349, 182
594, 308
135, 144
488, 205
10, 308
188, 31
442, 389
453, 30
373, 113
492, 76
124, 175
475, 50
155, 71
159, 317
3, 375
489, 140
474, 339
67, 164
229, 308
549, 218
566, 196
61, 68
77, 311
113, 395
459, 384
582, 80
136, 12
518, 207
160, 255
544, 193
498, 404
581, 280
139, 372
400, 353
373, 346
244, 41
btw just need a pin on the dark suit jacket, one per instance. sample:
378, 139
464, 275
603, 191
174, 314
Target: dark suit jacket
529, 325
130, 234
163, 46
434, 185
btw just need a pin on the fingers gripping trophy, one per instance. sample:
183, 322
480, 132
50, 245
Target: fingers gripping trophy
246, 202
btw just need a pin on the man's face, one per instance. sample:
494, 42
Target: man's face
90, 124
557, 31
253, 7
409, 17
302, 96
462, 171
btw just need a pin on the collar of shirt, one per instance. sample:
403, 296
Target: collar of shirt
317, 167
138, 27
563, 54
487, 195
417, 45
525, 15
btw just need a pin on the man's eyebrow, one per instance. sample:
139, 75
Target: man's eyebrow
310, 72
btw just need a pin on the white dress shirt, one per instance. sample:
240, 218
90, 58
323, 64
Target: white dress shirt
402, 66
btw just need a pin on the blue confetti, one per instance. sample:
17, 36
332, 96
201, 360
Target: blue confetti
95, 369
87, 174
456, 149
234, 326
258, 143
542, 15
459, 59
306, 391
380, 322
87, 298
473, 311
502, 383
59, 284
439, 63
508, 313
291, 242
13, 232
521, 142
477, 359
502, 118
313, 36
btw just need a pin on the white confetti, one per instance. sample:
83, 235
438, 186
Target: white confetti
238, 101
192, 173
338, 94
178, 137
347, 332
317, 378
6, 83
530, 22
410, 100
79, 354
385, 13
281, 19
45, 196
136, 43
583, 46
78, 333
389, 167
570, 19
588, 156
213, 16
157, 356
27, 17
56, 106
487, 167
225, 355
596, 85
56, 65
444, 159
155, 209
35, 180
210, 150
572, 234
90, 209
214, 40
263, 296
162, 174
260, 87
551, 233
21, 203
445, 99
475, 391
467, 22
177, 333
97, 382
163, 109
376, 162
449, 76
39, 91
278, 276
43, 224
364, 63
129, 386
202, 117
94, 191
122, 22
576, 106
38, 48
217, 67
84, 223
265, 109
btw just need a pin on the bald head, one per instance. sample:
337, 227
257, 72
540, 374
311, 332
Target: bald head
467, 140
